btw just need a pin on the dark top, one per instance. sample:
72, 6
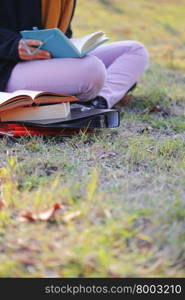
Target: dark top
17, 15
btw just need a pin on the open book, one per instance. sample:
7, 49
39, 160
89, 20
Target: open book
89, 42
34, 105
55, 42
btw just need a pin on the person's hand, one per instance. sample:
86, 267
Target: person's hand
23, 54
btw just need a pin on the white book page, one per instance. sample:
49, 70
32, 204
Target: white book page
80, 43
30, 93
4, 97
91, 44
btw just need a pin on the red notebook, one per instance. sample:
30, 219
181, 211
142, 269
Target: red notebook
18, 130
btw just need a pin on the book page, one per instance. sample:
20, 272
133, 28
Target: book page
19, 97
25, 98
92, 43
4, 97
41, 96
92, 38
30, 93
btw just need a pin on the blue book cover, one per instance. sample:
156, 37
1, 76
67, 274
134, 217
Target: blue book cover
55, 42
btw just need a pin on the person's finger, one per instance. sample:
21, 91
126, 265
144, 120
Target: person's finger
32, 49
23, 54
38, 55
26, 56
28, 43
39, 52
33, 42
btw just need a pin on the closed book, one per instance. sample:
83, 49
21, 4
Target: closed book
42, 112
81, 117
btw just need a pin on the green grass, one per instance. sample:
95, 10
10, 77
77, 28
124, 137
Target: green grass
122, 190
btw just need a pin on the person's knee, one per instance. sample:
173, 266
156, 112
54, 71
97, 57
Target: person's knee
139, 49
95, 75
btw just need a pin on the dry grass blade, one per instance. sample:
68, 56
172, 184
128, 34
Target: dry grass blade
71, 216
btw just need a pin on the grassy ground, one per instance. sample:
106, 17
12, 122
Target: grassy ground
119, 193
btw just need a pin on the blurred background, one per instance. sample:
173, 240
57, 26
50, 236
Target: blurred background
159, 24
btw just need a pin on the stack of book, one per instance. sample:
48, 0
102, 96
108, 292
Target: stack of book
26, 112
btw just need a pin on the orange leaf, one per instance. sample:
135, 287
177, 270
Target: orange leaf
29, 217
102, 153
50, 213
43, 216
2, 203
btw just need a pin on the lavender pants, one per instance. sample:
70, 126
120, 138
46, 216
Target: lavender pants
108, 71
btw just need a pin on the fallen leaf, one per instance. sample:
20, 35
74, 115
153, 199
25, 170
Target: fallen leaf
43, 216
28, 216
107, 154
2, 203
31, 247
50, 213
143, 244
27, 259
125, 100
157, 109
102, 153
71, 216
